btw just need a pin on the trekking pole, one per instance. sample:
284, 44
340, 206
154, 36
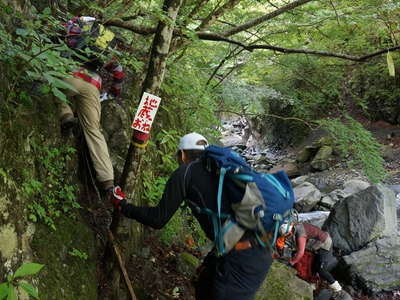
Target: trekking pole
121, 264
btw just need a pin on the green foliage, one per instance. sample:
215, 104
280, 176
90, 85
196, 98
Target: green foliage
181, 226
8, 289
243, 97
28, 55
187, 98
174, 231
375, 92
352, 138
80, 254
50, 196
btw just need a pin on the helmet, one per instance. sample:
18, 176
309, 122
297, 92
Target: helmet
285, 228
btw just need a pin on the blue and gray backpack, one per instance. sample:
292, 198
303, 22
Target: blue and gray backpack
264, 202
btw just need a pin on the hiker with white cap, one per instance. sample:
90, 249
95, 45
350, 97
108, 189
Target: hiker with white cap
236, 275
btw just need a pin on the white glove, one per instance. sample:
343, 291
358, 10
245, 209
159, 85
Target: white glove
104, 96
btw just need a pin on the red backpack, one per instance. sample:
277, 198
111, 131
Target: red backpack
305, 267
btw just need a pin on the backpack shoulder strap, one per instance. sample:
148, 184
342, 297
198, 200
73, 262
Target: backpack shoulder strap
185, 179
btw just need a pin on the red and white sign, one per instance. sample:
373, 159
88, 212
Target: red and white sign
146, 112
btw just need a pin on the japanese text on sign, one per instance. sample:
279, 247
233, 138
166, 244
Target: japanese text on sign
146, 112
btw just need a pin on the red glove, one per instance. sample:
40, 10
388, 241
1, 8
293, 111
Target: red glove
118, 196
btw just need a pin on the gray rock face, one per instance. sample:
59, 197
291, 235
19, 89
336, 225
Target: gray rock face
299, 180
114, 121
377, 267
362, 217
353, 186
316, 218
307, 196
290, 167
328, 201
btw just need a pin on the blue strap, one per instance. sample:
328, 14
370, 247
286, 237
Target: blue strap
218, 230
276, 184
262, 244
220, 186
276, 227
226, 228
242, 177
211, 213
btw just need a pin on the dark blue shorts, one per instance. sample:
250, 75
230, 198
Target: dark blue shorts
235, 276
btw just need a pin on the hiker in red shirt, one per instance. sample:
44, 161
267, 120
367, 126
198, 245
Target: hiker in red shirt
81, 34
307, 236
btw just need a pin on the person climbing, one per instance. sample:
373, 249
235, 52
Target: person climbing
236, 275
302, 236
87, 84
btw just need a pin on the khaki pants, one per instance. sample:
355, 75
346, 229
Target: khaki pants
87, 103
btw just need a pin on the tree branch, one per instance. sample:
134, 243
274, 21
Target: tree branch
304, 51
264, 18
222, 62
211, 18
134, 28
368, 56
196, 9
210, 36
130, 18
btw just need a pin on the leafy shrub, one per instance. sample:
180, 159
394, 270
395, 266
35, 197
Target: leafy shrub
8, 289
51, 196
77, 253
352, 138
29, 55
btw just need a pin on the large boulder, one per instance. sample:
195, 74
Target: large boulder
350, 187
283, 284
307, 196
353, 186
316, 218
362, 217
307, 154
289, 166
376, 268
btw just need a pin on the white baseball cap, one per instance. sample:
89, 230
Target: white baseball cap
192, 141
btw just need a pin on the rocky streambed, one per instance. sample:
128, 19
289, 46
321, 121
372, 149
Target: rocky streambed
362, 218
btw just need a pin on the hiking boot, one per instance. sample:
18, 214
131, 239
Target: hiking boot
67, 125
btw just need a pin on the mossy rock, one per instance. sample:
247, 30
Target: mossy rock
65, 276
306, 154
322, 159
187, 263
283, 284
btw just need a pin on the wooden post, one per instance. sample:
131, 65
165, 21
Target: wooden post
152, 83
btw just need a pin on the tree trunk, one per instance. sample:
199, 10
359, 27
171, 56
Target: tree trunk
151, 84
